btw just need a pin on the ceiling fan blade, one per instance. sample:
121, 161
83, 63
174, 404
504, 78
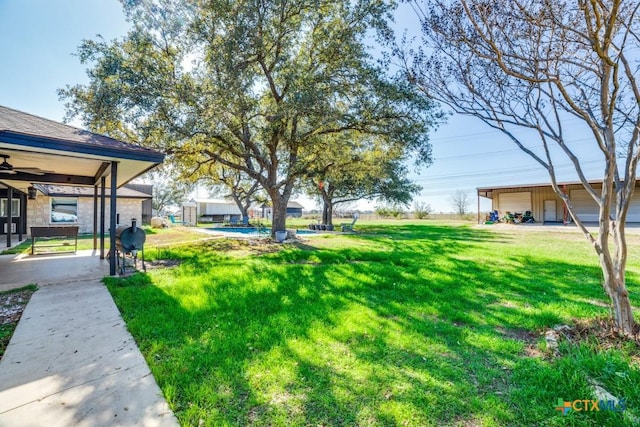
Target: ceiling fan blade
32, 171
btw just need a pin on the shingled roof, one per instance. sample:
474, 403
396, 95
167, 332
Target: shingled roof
28, 129
70, 191
39, 150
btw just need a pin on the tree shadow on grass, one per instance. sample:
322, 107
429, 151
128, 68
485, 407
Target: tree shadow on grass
405, 328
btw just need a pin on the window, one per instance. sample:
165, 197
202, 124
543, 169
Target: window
64, 209
15, 208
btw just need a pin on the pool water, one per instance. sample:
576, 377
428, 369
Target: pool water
250, 230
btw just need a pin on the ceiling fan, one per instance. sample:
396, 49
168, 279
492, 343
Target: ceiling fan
7, 168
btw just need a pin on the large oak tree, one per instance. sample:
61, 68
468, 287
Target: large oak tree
361, 168
539, 71
256, 86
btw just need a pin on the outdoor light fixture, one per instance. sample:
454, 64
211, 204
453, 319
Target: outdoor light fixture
32, 192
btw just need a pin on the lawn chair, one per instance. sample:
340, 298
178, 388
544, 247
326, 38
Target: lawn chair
509, 218
349, 227
528, 217
176, 222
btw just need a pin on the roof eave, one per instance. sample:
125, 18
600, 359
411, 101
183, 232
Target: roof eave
34, 141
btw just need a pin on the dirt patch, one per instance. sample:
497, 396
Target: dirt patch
163, 263
529, 338
519, 334
12, 305
603, 332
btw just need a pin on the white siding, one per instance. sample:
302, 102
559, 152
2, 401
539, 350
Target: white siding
584, 206
219, 209
515, 202
587, 209
633, 215
39, 212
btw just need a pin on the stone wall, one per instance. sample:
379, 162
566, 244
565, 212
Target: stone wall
39, 213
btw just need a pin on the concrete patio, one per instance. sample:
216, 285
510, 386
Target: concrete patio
71, 360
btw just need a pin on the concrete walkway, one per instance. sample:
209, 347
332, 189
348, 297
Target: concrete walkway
20, 270
71, 361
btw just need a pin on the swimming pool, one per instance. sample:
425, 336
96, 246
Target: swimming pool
250, 230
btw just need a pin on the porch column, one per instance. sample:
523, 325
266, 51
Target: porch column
22, 215
95, 217
103, 184
9, 214
112, 215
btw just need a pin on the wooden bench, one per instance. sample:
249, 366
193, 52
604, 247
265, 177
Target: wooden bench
47, 233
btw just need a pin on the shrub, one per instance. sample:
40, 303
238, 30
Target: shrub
421, 210
393, 211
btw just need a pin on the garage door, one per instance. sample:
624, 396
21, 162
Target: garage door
515, 202
587, 209
584, 206
633, 214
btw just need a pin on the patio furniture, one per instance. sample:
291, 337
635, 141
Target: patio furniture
47, 233
528, 217
349, 227
174, 221
509, 218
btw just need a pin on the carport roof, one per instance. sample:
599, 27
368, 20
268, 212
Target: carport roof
65, 154
537, 185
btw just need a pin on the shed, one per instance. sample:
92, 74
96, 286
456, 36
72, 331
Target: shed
546, 206
294, 210
217, 210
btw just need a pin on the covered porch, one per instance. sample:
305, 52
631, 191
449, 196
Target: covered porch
34, 150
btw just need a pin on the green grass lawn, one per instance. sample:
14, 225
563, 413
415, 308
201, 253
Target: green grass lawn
406, 324
154, 237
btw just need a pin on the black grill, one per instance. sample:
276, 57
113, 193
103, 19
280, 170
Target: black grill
130, 243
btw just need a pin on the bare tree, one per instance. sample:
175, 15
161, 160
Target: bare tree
460, 202
168, 191
539, 70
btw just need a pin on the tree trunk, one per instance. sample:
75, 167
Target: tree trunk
279, 211
279, 219
327, 212
243, 206
245, 215
612, 265
327, 205
613, 269
616, 288
621, 305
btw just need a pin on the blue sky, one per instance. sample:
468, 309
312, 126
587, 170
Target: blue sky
38, 39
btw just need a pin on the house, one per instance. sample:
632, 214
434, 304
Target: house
216, 210
147, 203
69, 205
37, 151
294, 210
546, 206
